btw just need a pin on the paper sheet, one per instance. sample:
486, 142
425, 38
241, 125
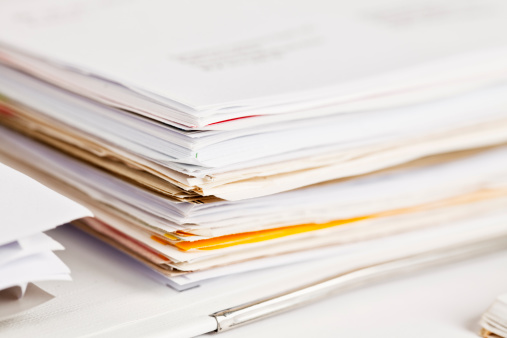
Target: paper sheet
404, 58
27, 207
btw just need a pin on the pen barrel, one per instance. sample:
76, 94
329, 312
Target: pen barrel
250, 312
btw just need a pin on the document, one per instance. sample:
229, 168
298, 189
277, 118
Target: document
27, 208
204, 74
493, 321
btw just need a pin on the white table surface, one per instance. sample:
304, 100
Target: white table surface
441, 302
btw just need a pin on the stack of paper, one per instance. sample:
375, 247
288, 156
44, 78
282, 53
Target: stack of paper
26, 254
494, 320
228, 146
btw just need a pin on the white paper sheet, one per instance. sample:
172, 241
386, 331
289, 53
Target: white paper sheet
27, 207
27, 246
466, 41
36, 267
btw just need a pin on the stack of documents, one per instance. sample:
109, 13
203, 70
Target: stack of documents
209, 144
494, 320
28, 208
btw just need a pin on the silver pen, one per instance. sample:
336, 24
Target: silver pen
249, 312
